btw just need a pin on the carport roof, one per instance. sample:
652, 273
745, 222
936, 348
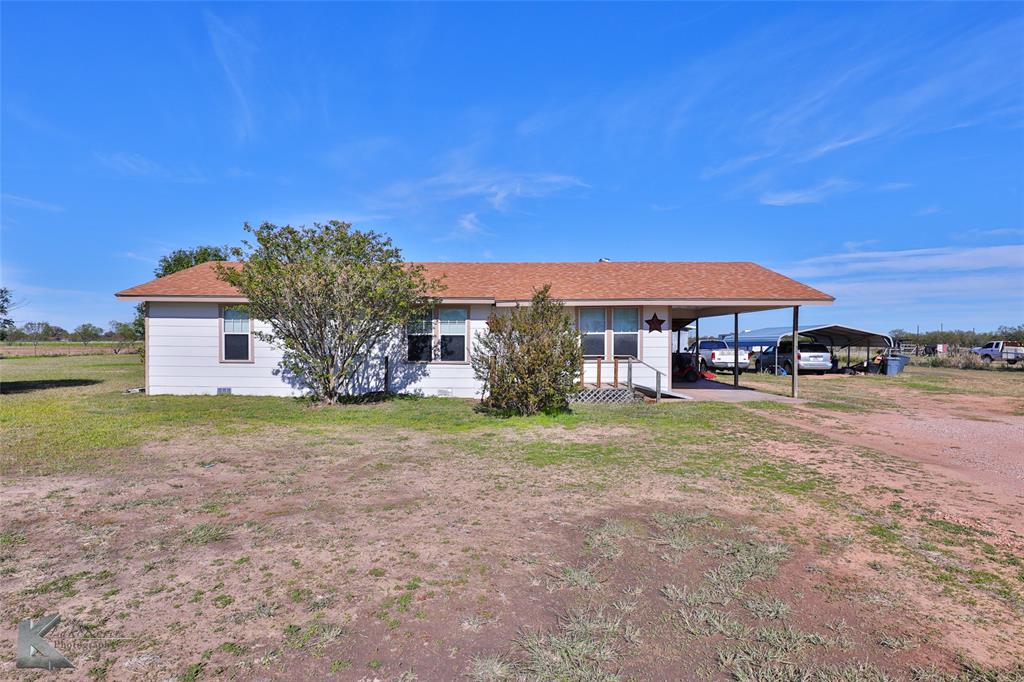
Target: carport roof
829, 334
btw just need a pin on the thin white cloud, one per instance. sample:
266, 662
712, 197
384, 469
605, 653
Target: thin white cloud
128, 163
894, 186
856, 246
137, 165
467, 228
929, 210
735, 164
234, 54
497, 187
808, 195
901, 290
27, 288
26, 202
997, 232
913, 261
131, 255
911, 84
958, 299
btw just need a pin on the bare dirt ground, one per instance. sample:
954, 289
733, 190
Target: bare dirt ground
975, 439
648, 543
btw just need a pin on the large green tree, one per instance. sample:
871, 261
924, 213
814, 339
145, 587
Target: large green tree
175, 261
529, 357
122, 334
331, 295
7, 305
86, 332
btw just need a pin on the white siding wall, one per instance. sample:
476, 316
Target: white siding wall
183, 355
184, 358
656, 347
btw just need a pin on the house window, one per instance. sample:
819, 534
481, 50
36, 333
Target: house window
236, 341
626, 332
453, 334
592, 326
420, 334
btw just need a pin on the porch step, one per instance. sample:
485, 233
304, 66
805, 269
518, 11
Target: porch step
665, 393
606, 394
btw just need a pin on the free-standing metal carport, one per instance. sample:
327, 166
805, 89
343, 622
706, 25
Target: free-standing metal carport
831, 335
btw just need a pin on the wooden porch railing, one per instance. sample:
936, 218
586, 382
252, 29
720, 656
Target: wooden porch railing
599, 363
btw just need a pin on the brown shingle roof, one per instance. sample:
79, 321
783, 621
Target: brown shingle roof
638, 280
198, 280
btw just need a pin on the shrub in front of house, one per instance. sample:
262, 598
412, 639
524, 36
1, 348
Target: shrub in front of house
529, 357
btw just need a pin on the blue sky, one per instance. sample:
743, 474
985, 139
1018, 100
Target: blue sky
873, 151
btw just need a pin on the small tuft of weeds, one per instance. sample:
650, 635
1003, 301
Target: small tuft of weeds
205, 533
472, 623
582, 647
316, 634
9, 538
490, 668
895, 641
192, 672
604, 539
767, 608
578, 578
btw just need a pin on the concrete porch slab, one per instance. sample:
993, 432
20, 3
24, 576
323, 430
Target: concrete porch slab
727, 393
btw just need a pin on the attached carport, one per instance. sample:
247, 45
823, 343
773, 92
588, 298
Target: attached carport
832, 335
685, 314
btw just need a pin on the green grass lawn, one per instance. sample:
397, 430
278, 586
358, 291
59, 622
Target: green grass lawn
67, 413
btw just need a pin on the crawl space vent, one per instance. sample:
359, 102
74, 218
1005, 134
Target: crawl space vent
223, 391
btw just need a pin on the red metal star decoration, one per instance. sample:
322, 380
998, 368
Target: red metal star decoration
654, 324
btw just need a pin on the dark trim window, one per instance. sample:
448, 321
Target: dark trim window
592, 326
626, 332
420, 337
236, 338
453, 333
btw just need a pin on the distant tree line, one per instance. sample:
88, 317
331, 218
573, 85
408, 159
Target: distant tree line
120, 334
964, 338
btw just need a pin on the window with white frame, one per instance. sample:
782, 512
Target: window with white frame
592, 326
420, 337
626, 332
453, 332
236, 339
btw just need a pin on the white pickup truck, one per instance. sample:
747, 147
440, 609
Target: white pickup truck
1011, 351
718, 355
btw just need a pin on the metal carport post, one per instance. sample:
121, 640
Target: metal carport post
794, 391
736, 349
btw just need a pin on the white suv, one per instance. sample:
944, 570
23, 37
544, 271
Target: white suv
718, 355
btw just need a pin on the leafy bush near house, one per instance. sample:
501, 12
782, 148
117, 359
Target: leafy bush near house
529, 357
331, 294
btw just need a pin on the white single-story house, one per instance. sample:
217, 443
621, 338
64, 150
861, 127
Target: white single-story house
199, 338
